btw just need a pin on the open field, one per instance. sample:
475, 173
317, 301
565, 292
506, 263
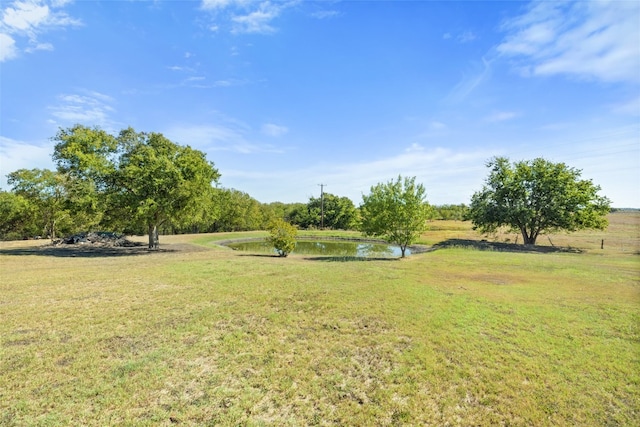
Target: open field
197, 334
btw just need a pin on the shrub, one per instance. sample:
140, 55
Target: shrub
282, 236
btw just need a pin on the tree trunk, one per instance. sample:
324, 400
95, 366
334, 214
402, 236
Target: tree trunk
153, 236
528, 237
529, 240
403, 248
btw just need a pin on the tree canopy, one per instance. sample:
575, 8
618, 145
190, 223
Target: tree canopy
397, 211
143, 177
45, 192
238, 211
339, 212
328, 211
535, 197
16, 217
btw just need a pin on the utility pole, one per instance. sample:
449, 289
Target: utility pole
322, 206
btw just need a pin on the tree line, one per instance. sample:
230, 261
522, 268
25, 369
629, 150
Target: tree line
143, 183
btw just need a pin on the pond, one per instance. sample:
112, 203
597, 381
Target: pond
340, 248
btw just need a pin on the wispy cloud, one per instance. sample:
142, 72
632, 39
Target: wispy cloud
469, 82
229, 82
257, 21
592, 40
86, 107
24, 22
215, 4
501, 116
466, 37
232, 137
245, 16
181, 68
194, 78
435, 167
436, 125
325, 14
630, 107
271, 129
463, 37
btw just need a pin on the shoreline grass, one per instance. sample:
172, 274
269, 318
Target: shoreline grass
214, 337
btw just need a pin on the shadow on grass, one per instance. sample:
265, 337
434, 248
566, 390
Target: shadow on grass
484, 245
91, 251
348, 258
262, 255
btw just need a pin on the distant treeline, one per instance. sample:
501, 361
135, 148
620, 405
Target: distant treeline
450, 212
625, 209
25, 215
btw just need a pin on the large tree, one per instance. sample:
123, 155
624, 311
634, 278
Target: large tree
397, 211
145, 178
535, 197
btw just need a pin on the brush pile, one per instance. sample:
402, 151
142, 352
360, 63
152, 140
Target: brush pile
97, 238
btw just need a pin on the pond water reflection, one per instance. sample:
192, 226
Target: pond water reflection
338, 248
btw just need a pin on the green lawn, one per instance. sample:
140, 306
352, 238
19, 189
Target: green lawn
218, 337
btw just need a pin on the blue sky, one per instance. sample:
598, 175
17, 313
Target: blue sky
284, 96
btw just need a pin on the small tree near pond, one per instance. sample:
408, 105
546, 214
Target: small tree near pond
282, 236
396, 211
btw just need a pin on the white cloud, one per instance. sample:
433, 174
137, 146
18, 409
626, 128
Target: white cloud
274, 130
217, 4
592, 40
89, 108
7, 47
25, 15
23, 155
245, 16
26, 21
257, 21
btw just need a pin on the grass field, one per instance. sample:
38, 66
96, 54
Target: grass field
197, 334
